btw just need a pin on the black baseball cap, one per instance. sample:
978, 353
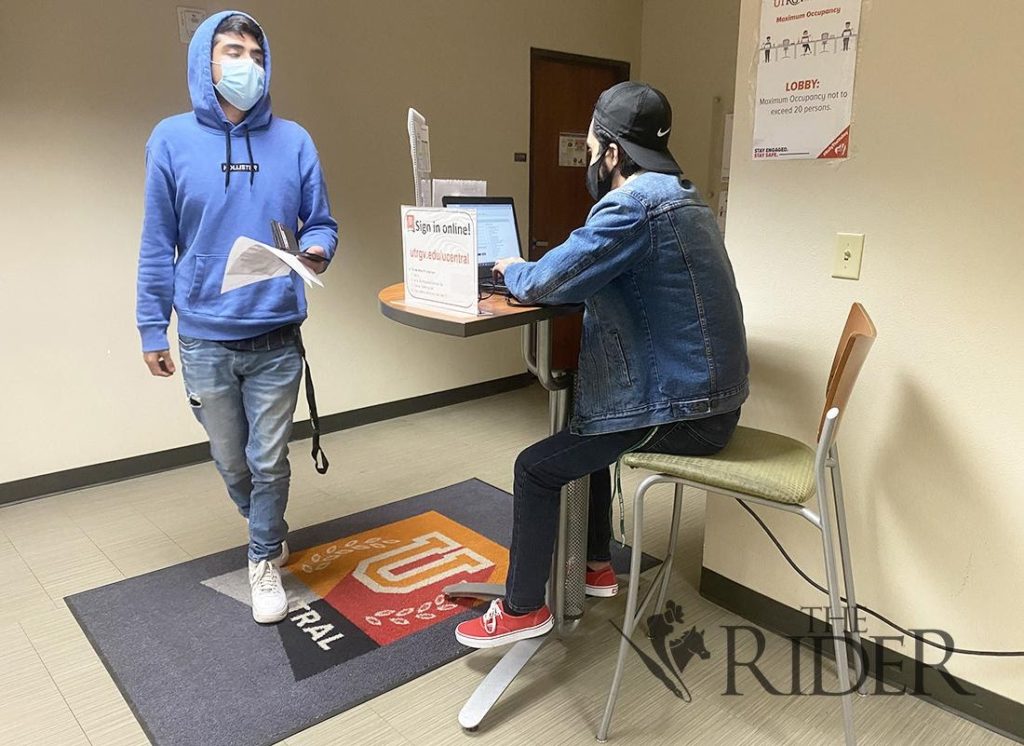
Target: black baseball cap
639, 118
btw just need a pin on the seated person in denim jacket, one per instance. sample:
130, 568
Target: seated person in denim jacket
663, 361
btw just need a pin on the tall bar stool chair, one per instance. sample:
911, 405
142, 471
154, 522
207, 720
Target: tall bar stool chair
774, 471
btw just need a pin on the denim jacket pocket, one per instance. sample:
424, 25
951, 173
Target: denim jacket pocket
619, 361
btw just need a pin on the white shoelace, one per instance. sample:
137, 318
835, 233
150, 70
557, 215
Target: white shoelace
266, 579
491, 617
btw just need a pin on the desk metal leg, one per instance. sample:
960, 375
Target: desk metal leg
497, 681
572, 547
569, 568
566, 588
483, 591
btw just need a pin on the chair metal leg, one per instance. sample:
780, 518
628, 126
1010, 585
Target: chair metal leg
837, 615
673, 539
629, 620
844, 555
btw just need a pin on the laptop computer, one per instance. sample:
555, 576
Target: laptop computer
497, 234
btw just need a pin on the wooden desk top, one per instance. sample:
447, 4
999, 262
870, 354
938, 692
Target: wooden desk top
496, 312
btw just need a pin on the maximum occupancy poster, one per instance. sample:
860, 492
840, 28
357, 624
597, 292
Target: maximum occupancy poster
806, 60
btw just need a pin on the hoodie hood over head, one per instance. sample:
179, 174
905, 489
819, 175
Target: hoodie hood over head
205, 103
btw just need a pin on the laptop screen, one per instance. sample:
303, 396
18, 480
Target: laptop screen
497, 234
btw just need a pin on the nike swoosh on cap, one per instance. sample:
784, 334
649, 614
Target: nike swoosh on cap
662, 133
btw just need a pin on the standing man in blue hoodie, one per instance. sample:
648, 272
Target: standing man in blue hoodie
224, 170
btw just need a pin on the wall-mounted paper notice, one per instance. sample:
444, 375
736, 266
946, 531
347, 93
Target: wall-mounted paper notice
806, 65
457, 188
572, 149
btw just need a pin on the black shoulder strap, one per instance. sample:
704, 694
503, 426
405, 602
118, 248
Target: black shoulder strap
319, 457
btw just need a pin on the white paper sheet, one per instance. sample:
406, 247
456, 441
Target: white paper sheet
457, 188
419, 145
251, 261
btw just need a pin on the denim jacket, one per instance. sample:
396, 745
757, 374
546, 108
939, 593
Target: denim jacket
663, 335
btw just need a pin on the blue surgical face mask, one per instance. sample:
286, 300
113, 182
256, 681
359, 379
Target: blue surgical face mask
241, 83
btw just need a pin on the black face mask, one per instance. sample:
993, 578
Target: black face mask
598, 185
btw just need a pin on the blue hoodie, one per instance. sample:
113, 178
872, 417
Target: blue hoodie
209, 182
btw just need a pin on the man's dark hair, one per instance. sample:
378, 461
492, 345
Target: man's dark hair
627, 166
240, 25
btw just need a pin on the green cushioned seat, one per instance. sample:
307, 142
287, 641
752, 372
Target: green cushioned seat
755, 462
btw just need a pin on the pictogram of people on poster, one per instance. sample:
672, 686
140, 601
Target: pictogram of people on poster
773, 51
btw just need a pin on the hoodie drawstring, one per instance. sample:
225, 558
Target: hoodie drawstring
252, 165
227, 156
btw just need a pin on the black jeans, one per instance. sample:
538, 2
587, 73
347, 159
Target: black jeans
545, 467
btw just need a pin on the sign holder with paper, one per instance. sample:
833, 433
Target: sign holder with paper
440, 260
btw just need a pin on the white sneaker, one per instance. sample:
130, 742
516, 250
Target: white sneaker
282, 559
269, 601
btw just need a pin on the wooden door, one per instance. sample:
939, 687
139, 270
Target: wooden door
563, 91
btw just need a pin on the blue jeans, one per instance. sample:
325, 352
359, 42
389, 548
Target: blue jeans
545, 467
245, 401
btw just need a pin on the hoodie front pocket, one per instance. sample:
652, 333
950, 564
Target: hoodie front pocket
200, 287
271, 298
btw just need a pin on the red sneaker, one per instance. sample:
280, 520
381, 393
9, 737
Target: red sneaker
496, 627
602, 583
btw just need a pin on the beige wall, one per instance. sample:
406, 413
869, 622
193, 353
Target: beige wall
931, 446
689, 53
79, 94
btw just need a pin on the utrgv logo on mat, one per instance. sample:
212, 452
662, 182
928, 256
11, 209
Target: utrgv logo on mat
422, 562
367, 590
674, 647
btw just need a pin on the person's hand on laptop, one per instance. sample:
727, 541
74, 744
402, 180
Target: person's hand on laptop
502, 264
